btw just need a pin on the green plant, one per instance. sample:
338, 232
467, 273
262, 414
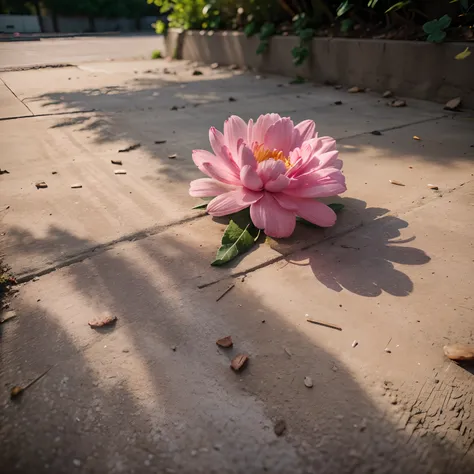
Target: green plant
156, 54
266, 32
435, 29
300, 27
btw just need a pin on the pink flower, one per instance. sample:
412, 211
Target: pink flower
273, 166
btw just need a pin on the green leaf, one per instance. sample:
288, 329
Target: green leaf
235, 241
201, 206
346, 25
398, 6
372, 3
262, 47
250, 29
436, 37
336, 207
306, 34
444, 22
268, 29
430, 27
463, 54
344, 7
297, 80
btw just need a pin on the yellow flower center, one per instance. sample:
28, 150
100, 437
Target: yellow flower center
263, 154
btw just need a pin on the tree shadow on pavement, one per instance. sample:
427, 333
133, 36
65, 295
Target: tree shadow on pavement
157, 394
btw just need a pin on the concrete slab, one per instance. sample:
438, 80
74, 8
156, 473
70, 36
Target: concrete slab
154, 392
153, 194
11, 106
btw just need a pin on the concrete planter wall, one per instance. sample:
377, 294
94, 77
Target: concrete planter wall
408, 68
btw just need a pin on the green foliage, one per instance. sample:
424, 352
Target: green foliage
346, 24
343, 8
235, 241
251, 29
397, 6
266, 32
156, 54
435, 29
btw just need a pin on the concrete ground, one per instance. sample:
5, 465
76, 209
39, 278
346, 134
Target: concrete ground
78, 49
154, 393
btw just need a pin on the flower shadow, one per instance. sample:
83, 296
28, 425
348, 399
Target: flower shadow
365, 261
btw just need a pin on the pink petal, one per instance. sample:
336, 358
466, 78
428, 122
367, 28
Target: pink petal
234, 129
287, 202
321, 183
217, 140
280, 136
325, 144
277, 185
268, 215
250, 178
303, 131
318, 190
316, 212
270, 169
246, 157
250, 126
233, 201
206, 187
260, 128
327, 159
220, 172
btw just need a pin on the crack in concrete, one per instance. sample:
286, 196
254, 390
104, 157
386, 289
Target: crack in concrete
16, 97
52, 114
151, 231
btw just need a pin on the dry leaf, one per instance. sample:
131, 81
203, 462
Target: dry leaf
130, 148
453, 104
459, 351
239, 361
9, 315
106, 321
225, 342
15, 391
397, 103
397, 183
463, 54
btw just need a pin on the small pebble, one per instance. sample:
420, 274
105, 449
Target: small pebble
120, 172
41, 185
173, 348
433, 187
354, 344
395, 182
387, 350
338, 102
376, 132
308, 381
387, 94
172, 157
76, 462
279, 427
76, 186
